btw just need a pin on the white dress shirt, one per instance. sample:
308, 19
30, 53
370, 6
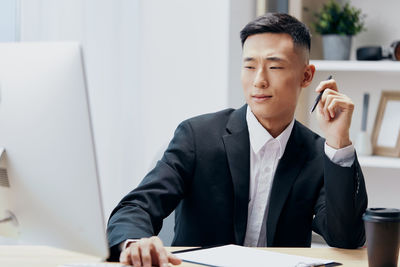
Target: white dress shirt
265, 153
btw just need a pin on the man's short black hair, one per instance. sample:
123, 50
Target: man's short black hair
278, 23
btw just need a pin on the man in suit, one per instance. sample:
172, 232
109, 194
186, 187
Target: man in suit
252, 176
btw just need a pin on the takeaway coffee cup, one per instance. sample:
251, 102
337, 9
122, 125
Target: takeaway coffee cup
382, 229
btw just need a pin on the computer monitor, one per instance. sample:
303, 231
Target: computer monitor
48, 176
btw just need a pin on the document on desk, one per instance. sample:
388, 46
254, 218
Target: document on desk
238, 256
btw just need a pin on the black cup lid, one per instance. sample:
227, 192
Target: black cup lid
382, 214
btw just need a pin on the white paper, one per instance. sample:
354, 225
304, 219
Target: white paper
238, 256
390, 126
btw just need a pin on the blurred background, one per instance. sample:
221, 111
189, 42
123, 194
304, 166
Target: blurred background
152, 63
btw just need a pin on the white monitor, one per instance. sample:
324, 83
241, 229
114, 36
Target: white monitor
48, 175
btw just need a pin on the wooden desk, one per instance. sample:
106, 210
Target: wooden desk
40, 256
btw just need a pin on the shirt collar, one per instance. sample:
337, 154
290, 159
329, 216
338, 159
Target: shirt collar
259, 136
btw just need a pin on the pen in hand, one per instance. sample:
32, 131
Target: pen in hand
319, 96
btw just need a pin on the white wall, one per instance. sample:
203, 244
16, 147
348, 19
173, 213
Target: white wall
241, 12
183, 65
150, 65
8, 21
107, 30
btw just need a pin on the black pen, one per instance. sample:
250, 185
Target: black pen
319, 96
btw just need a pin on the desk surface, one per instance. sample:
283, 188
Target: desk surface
40, 256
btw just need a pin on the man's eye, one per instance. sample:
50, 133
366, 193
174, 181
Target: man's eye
276, 68
249, 67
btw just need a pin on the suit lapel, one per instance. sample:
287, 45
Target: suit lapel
237, 146
288, 169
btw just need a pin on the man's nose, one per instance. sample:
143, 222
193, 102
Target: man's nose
261, 80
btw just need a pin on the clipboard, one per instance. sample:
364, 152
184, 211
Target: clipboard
233, 255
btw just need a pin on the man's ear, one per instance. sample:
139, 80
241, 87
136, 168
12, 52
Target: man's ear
308, 75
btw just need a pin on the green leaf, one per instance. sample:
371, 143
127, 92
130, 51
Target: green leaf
336, 19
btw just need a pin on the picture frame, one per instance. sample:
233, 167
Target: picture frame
386, 132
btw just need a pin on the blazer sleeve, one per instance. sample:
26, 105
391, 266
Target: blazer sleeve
141, 212
340, 205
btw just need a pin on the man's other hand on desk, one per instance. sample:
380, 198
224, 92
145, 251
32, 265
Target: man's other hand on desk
148, 252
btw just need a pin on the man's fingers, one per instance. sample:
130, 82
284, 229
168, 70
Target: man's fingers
144, 245
332, 108
323, 112
136, 259
160, 251
331, 103
331, 84
146, 252
328, 93
326, 98
332, 100
124, 257
174, 259
340, 104
131, 256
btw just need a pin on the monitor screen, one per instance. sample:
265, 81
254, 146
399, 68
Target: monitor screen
48, 173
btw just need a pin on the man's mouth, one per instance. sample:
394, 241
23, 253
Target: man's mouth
261, 98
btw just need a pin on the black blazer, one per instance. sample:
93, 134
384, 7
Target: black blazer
205, 174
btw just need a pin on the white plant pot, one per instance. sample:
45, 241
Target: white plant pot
336, 47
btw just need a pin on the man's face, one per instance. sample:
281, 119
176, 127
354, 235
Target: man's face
273, 73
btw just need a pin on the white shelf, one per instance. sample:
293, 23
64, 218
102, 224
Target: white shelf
379, 162
353, 65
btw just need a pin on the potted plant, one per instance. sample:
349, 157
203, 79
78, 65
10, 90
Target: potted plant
338, 24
